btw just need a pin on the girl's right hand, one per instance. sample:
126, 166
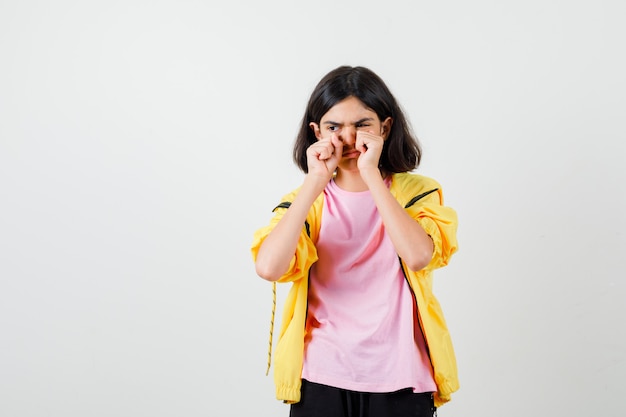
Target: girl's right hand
323, 157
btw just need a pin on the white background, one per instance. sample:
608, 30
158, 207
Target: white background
143, 142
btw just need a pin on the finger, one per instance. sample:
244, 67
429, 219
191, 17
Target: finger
367, 135
323, 150
337, 145
368, 138
361, 143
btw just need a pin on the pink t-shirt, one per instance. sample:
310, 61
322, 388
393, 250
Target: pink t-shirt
362, 332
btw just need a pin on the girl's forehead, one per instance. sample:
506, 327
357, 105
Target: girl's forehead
349, 107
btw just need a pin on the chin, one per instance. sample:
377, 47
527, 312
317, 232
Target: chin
349, 166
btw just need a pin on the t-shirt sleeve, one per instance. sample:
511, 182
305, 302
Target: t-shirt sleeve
440, 222
304, 257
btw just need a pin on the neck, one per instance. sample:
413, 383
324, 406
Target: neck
350, 181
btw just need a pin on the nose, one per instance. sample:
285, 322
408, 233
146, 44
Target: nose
348, 135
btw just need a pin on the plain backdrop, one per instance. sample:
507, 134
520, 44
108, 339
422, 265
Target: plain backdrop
143, 142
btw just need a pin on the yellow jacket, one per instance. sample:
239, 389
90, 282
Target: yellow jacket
423, 200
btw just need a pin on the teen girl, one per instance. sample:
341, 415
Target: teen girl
362, 333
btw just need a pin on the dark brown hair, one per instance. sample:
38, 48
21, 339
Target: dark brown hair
401, 151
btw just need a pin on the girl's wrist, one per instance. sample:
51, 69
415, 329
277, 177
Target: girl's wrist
371, 175
314, 183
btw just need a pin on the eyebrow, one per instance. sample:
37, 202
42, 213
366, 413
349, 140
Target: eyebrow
365, 119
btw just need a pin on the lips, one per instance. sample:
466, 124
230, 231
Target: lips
351, 153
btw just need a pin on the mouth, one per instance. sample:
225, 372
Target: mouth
351, 153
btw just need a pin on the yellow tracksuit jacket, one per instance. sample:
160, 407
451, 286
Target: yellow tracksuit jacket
423, 200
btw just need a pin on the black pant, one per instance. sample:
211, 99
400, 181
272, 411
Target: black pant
319, 400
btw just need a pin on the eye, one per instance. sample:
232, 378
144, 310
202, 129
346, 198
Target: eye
362, 124
333, 128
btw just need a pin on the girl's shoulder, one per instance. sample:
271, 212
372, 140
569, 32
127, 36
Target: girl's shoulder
290, 195
412, 183
288, 198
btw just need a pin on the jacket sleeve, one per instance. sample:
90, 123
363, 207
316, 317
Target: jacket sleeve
306, 253
440, 222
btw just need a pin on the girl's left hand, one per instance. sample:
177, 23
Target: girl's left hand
371, 146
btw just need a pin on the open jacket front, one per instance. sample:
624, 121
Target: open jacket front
423, 200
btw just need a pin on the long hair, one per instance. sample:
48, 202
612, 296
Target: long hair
401, 151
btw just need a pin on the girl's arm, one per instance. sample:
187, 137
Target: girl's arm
411, 241
279, 246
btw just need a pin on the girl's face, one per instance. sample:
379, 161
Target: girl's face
345, 119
